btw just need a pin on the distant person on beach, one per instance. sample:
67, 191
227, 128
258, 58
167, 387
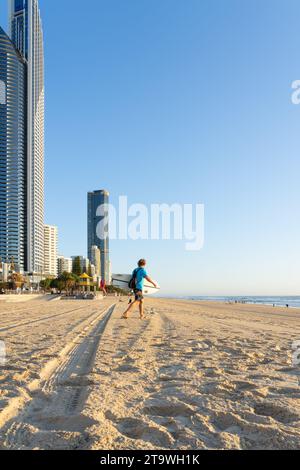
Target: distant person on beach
103, 287
137, 284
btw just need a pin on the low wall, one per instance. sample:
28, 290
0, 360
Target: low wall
17, 298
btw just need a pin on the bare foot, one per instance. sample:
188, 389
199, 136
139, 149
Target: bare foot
124, 317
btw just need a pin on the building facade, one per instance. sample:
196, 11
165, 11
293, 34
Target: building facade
96, 260
27, 35
13, 155
64, 265
84, 263
50, 250
98, 229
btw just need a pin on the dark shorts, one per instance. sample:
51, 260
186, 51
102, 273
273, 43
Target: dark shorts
138, 295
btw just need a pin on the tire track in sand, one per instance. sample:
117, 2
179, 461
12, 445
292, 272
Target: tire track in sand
14, 309
39, 320
58, 401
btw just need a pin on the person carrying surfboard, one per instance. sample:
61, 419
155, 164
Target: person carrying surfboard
137, 284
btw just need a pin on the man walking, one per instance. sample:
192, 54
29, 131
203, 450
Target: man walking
137, 283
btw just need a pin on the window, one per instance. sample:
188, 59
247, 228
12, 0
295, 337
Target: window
19, 5
2, 92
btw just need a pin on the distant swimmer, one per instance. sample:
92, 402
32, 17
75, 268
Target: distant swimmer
137, 284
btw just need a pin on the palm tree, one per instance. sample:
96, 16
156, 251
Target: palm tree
57, 284
69, 280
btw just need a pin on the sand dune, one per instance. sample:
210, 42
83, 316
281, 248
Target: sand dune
191, 376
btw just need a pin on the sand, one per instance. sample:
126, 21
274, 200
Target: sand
191, 376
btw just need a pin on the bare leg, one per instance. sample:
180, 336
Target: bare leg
125, 314
141, 309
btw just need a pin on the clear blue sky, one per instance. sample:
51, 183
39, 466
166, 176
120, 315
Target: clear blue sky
179, 101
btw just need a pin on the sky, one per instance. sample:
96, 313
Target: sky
179, 102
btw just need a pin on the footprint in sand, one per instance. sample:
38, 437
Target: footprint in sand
127, 368
140, 430
135, 428
213, 372
244, 386
161, 345
168, 409
287, 391
227, 422
279, 413
289, 370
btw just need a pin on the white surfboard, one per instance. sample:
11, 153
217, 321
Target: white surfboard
122, 281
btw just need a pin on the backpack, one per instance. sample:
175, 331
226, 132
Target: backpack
132, 282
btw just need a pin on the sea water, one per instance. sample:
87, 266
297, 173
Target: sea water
278, 301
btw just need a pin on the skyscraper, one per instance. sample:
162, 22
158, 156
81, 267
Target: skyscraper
64, 265
50, 249
27, 36
13, 155
96, 259
84, 263
98, 231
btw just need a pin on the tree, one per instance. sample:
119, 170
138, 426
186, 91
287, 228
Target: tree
16, 281
77, 266
69, 280
46, 284
57, 284
65, 282
116, 290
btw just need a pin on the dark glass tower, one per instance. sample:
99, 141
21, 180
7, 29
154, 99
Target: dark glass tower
96, 236
13, 154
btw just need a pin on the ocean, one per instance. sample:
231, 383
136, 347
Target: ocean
278, 301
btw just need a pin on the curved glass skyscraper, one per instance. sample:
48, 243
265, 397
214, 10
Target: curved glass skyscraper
13, 151
27, 36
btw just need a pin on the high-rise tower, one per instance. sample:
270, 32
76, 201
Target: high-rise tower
98, 231
50, 250
27, 36
13, 155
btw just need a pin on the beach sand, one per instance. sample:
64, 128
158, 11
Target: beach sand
193, 375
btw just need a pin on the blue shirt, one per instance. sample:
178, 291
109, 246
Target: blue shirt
141, 273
